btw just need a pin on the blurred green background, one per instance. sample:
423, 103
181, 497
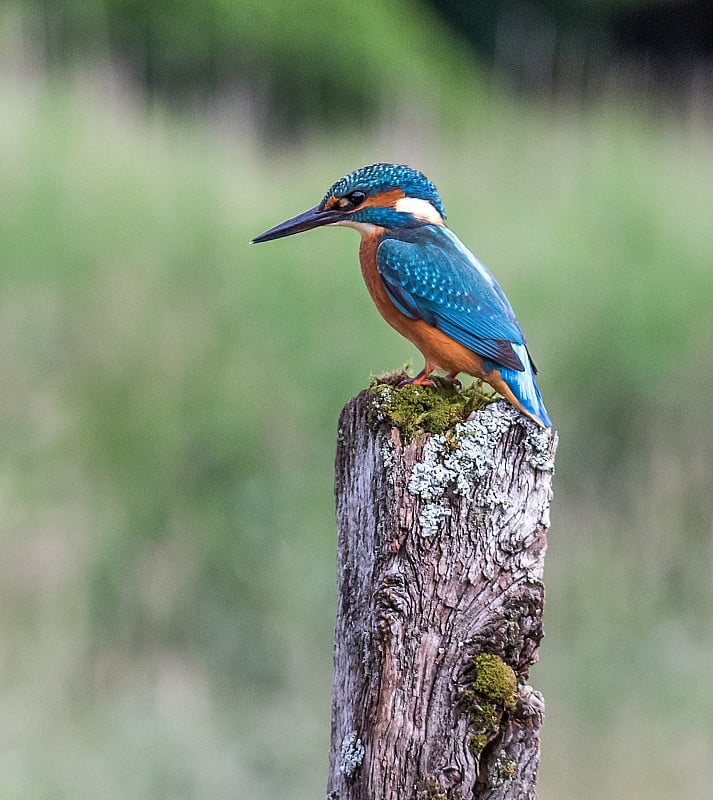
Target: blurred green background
170, 394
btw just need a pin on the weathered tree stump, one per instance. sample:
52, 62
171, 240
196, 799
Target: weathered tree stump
440, 564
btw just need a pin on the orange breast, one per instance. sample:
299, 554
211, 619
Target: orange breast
438, 349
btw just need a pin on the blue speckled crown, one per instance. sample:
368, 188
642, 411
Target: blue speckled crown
383, 177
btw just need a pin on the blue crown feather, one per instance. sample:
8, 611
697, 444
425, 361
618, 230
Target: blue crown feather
379, 178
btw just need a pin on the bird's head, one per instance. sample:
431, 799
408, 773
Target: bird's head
379, 196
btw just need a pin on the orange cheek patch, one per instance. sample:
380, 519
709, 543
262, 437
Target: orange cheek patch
381, 200
384, 199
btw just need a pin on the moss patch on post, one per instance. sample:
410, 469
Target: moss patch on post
495, 680
424, 409
477, 743
492, 693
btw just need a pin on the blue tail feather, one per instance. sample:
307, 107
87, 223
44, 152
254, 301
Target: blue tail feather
524, 386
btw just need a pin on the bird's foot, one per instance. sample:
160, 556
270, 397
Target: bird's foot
421, 379
452, 378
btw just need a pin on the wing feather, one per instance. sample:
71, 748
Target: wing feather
429, 274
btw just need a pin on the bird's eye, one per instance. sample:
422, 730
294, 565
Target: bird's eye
355, 198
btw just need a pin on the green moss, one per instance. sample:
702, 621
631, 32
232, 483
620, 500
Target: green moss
477, 743
484, 716
495, 680
418, 409
492, 693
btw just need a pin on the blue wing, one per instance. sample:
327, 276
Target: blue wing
429, 274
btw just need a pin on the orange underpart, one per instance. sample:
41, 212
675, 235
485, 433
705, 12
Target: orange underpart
439, 350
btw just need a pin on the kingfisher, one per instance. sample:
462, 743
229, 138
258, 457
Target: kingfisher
426, 283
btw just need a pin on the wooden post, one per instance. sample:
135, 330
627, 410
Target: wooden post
440, 563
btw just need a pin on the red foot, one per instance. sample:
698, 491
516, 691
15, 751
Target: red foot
452, 377
421, 379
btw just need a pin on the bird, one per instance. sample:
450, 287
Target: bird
426, 283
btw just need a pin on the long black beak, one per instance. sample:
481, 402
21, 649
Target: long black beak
302, 222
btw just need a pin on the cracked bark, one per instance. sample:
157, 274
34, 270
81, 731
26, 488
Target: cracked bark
418, 600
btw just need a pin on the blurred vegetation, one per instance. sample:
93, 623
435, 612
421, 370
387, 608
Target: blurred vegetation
169, 410
480, 20
306, 63
580, 47
295, 63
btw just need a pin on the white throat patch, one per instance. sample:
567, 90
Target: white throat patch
421, 209
364, 228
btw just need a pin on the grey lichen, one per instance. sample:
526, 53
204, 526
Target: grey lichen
466, 427
492, 498
478, 439
387, 454
431, 476
382, 404
501, 770
351, 754
430, 518
539, 449
456, 460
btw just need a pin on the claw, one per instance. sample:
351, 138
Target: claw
421, 379
418, 382
452, 377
